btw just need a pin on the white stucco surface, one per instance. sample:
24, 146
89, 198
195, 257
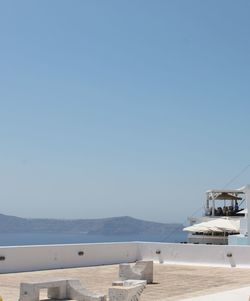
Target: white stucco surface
205, 255
30, 258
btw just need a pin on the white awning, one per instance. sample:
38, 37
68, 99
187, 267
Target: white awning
223, 224
240, 190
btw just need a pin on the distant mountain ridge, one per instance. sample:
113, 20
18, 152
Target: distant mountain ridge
123, 225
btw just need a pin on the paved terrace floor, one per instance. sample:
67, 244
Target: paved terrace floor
172, 282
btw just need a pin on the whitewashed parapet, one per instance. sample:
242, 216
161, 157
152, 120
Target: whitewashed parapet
30, 258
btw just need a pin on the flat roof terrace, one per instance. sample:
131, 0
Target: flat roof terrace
171, 282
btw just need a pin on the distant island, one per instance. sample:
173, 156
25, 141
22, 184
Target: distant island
123, 225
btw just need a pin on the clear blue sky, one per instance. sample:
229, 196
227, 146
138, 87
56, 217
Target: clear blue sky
111, 108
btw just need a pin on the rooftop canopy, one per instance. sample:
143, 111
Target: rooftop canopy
237, 191
227, 196
223, 224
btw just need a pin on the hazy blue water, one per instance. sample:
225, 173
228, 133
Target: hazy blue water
14, 239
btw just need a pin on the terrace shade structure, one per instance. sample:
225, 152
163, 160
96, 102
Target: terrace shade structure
223, 224
229, 199
241, 196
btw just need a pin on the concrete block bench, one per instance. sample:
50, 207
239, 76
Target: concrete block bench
129, 282
77, 292
127, 290
58, 289
141, 270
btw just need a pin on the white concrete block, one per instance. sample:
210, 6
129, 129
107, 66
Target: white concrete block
76, 291
58, 289
129, 282
141, 270
126, 293
28, 292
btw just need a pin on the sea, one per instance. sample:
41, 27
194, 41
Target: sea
21, 239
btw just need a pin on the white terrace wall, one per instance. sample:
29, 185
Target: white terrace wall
194, 254
28, 258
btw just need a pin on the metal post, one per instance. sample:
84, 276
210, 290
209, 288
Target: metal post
247, 192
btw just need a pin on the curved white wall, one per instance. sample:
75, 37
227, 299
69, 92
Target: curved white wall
28, 258
211, 255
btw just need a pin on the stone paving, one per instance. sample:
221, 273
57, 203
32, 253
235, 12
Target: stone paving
171, 282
